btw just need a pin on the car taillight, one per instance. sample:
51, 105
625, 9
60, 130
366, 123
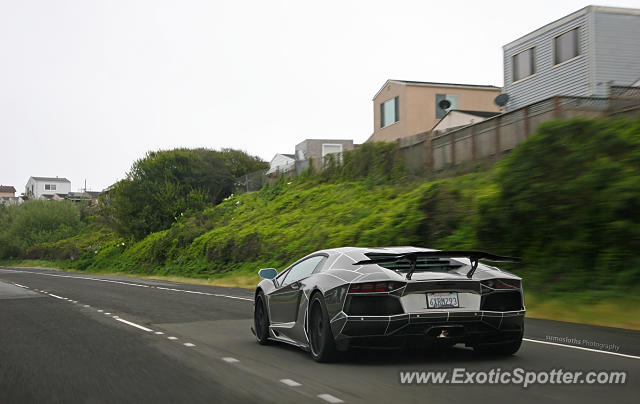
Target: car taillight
502, 283
373, 287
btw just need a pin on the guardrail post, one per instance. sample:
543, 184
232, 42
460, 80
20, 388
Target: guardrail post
527, 127
474, 152
452, 139
428, 152
557, 109
498, 121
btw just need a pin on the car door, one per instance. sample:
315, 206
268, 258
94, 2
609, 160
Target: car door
284, 301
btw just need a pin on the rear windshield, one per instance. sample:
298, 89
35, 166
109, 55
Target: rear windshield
423, 264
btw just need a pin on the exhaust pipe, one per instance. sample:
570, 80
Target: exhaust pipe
447, 331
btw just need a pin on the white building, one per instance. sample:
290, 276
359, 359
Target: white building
47, 187
580, 54
282, 163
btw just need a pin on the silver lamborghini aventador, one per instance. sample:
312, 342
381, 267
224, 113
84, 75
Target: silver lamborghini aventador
342, 298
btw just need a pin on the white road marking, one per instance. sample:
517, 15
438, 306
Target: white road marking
136, 284
57, 297
188, 344
100, 311
230, 360
174, 290
172, 338
233, 297
133, 324
22, 286
82, 277
159, 333
329, 398
107, 314
290, 383
581, 348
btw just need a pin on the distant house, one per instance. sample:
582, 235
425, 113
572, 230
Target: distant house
7, 191
457, 118
281, 163
580, 54
316, 150
404, 108
47, 188
8, 195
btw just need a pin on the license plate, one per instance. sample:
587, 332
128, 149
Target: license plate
442, 300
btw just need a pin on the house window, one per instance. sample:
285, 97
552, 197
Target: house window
523, 64
389, 112
50, 187
566, 46
330, 148
453, 100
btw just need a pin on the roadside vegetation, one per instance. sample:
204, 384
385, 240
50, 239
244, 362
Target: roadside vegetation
566, 200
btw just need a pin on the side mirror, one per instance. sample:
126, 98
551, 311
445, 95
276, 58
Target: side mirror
267, 273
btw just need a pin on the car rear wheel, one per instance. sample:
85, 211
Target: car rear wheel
261, 319
321, 342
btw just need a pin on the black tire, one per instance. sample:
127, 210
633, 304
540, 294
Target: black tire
499, 349
261, 319
321, 343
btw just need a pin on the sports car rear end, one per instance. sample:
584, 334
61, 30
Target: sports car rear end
441, 304
428, 312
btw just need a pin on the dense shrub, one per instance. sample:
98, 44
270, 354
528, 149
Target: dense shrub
35, 222
569, 203
165, 185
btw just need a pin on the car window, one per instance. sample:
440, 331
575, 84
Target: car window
303, 269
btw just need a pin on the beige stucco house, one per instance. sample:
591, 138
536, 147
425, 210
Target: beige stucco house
405, 108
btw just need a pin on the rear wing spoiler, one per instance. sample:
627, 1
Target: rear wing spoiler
412, 257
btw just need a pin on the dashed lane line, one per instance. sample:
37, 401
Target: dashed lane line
143, 328
329, 398
137, 285
290, 383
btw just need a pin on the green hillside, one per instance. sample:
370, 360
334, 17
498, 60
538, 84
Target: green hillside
567, 201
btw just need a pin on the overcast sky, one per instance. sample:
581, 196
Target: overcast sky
87, 86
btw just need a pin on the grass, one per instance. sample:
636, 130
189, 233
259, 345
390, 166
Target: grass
608, 312
230, 280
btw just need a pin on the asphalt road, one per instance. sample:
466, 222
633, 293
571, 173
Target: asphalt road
74, 338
